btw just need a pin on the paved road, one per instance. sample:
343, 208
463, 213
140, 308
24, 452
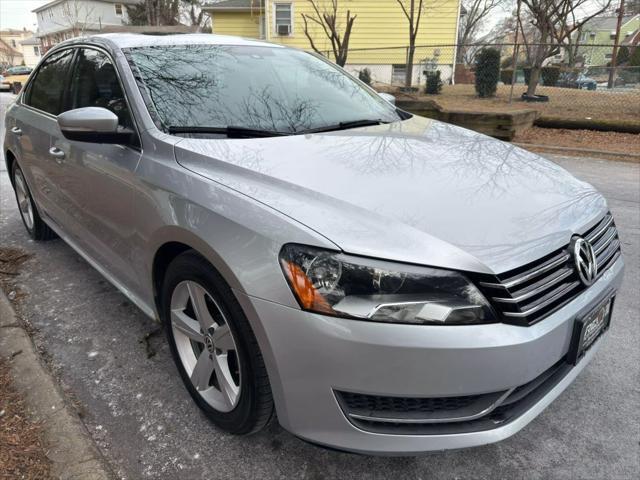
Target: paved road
113, 361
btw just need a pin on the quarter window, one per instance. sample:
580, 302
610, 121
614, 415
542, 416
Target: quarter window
95, 84
283, 19
47, 89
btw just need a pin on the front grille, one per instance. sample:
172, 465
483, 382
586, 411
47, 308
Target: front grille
527, 294
412, 409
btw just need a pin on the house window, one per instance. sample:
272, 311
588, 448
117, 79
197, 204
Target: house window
283, 19
36, 51
608, 56
398, 73
118, 7
13, 43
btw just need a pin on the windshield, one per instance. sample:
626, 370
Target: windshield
261, 88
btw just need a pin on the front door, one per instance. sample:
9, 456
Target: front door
100, 177
35, 124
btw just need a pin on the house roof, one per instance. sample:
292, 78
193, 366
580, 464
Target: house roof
5, 47
30, 41
232, 5
55, 2
607, 23
10, 32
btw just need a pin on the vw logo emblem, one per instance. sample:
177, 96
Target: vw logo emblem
585, 260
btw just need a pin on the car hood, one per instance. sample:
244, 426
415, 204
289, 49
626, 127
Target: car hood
417, 191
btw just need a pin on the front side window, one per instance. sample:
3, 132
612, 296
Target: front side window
47, 88
283, 18
266, 88
95, 84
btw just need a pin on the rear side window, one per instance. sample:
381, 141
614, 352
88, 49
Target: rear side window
47, 89
95, 84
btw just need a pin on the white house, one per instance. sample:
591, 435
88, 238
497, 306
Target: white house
12, 51
62, 19
31, 51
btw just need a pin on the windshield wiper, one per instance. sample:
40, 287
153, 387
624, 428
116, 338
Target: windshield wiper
230, 131
346, 125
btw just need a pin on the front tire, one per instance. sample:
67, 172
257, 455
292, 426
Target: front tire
214, 347
36, 228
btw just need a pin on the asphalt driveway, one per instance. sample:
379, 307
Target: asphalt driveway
114, 362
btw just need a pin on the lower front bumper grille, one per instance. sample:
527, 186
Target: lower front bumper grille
447, 415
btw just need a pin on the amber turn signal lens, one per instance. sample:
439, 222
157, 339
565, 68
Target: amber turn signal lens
306, 293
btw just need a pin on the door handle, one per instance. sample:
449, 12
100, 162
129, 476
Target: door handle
56, 153
16, 131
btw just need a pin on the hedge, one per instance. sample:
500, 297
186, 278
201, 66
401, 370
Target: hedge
487, 72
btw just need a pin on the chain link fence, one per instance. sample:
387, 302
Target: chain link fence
576, 81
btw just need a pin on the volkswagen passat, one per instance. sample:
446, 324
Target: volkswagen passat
385, 283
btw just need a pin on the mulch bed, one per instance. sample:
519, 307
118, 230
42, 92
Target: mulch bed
627, 143
22, 450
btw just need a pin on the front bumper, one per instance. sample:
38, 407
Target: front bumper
309, 357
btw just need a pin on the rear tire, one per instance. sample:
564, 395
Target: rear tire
214, 347
36, 228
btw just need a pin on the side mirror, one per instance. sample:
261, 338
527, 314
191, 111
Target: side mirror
93, 124
388, 97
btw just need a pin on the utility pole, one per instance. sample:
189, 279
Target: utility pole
514, 60
612, 71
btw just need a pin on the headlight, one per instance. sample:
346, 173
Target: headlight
332, 283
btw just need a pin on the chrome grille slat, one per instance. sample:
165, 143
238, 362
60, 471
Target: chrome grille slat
538, 287
604, 241
530, 274
608, 253
602, 226
530, 293
552, 297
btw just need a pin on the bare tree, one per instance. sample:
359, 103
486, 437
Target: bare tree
77, 16
168, 12
556, 21
327, 19
154, 12
192, 10
413, 10
477, 13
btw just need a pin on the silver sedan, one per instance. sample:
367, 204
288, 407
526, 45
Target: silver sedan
385, 283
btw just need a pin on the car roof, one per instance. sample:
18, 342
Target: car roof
134, 40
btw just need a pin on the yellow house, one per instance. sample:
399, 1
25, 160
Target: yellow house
379, 38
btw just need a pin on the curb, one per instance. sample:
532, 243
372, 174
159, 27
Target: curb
70, 448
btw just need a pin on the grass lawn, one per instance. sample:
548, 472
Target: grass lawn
563, 102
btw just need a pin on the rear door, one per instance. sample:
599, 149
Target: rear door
35, 124
100, 180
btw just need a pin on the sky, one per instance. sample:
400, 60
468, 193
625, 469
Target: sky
17, 14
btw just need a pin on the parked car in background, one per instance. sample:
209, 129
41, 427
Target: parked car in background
385, 282
576, 80
4, 86
15, 78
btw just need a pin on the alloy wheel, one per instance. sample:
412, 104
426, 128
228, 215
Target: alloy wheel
24, 200
205, 345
